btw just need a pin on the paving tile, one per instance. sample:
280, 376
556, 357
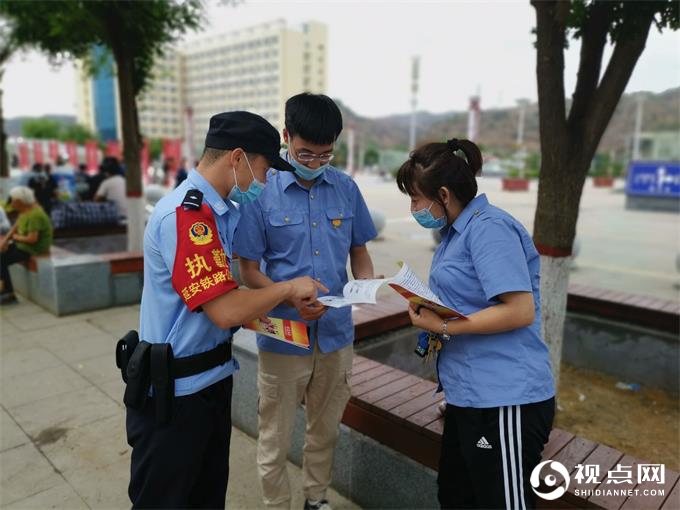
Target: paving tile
61, 497
95, 314
25, 472
92, 446
22, 309
61, 332
99, 370
10, 343
10, 433
22, 389
7, 328
119, 323
114, 389
47, 419
104, 487
72, 349
26, 361
38, 320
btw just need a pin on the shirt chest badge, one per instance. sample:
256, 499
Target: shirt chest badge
336, 223
200, 234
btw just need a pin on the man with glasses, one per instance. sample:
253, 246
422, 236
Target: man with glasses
306, 223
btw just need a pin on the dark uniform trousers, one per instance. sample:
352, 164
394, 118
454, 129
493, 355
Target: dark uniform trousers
184, 463
488, 455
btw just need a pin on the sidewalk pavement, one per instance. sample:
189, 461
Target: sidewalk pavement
62, 428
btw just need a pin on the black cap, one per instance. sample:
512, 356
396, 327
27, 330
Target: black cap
247, 131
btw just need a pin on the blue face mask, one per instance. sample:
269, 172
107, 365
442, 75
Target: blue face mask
250, 195
304, 172
425, 219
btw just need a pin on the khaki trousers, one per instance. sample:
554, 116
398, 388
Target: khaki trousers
322, 381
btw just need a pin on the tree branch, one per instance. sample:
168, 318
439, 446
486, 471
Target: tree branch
627, 51
593, 41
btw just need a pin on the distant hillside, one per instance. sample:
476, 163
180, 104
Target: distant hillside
13, 125
498, 127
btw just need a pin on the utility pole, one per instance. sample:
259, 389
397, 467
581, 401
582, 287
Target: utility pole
350, 150
473, 118
638, 127
415, 71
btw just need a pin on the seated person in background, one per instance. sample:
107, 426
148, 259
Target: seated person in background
82, 183
113, 186
30, 235
182, 172
35, 170
94, 181
5, 225
44, 185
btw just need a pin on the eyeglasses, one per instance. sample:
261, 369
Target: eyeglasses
308, 157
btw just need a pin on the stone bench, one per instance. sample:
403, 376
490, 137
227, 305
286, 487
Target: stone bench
90, 231
64, 282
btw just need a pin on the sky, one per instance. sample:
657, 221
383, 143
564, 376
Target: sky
464, 47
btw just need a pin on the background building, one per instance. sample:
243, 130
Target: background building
255, 68
97, 96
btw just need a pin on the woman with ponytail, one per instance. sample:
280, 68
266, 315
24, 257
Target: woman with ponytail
493, 367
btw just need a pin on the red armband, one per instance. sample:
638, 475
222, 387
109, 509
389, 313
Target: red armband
201, 271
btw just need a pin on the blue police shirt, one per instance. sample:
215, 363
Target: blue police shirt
299, 232
164, 316
484, 253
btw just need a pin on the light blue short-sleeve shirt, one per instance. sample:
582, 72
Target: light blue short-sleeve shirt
164, 317
484, 253
295, 231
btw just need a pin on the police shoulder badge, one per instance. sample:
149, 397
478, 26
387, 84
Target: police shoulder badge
200, 233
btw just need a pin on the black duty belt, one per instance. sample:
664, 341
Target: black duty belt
143, 364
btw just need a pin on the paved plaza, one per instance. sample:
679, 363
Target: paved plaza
622, 250
62, 428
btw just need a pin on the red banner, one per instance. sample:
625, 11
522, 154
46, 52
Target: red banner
53, 150
24, 162
38, 152
114, 149
92, 155
72, 151
144, 161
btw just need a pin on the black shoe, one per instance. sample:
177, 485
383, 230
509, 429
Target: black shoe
8, 298
317, 505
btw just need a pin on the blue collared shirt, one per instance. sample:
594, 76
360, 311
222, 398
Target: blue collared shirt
164, 317
485, 253
299, 232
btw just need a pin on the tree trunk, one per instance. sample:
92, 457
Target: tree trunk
5, 53
132, 145
4, 163
554, 288
559, 195
568, 145
4, 160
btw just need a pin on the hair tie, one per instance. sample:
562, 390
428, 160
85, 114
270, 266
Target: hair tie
453, 144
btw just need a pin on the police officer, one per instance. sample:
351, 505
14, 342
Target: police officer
494, 367
306, 223
190, 307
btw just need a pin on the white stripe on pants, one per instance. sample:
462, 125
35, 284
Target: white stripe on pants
510, 425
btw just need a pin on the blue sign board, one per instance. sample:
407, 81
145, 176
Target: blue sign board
654, 179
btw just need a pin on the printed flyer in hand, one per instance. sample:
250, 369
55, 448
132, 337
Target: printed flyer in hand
405, 282
292, 332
